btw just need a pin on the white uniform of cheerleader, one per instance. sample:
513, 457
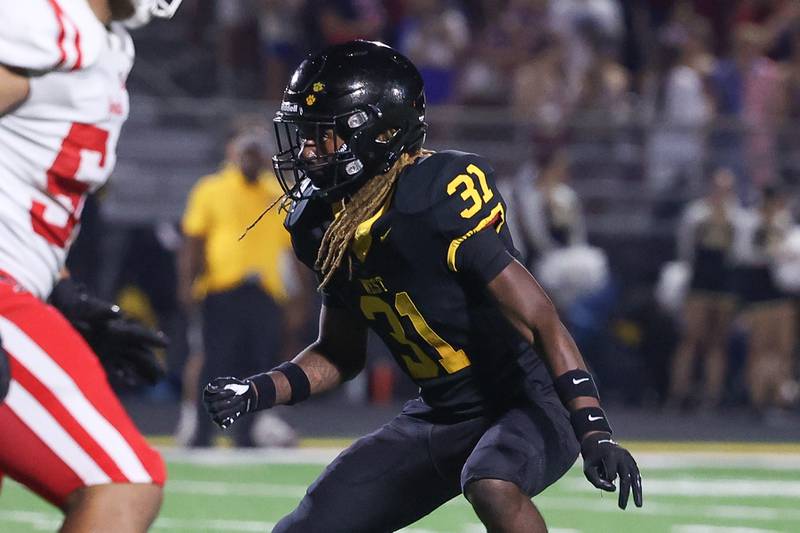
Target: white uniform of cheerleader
62, 426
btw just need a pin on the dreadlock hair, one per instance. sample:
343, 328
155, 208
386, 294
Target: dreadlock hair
363, 204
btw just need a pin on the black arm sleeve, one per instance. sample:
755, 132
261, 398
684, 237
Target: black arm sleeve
483, 255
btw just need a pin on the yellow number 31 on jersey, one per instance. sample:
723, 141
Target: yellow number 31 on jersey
469, 193
420, 364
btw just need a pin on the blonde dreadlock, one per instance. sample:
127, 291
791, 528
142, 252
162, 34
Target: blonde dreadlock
364, 203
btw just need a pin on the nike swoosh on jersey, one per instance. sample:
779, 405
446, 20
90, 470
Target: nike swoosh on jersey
386, 234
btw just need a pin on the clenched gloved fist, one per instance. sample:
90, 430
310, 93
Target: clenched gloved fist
123, 345
604, 460
226, 399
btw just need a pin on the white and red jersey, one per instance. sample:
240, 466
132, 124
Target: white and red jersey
61, 142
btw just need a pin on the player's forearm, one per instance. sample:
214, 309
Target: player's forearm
573, 383
337, 355
560, 352
14, 89
531, 311
322, 374
556, 344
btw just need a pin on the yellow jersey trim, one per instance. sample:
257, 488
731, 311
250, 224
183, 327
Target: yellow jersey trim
455, 243
362, 240
451, 359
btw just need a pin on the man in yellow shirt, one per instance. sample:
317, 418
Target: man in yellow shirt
240, 285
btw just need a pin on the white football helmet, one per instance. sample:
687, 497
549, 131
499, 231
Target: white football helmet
146, 9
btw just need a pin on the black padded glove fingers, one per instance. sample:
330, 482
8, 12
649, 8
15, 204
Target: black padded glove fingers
125, 346
79, 307
604, 460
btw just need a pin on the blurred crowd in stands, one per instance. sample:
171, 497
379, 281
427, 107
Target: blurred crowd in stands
711, 91
684, 64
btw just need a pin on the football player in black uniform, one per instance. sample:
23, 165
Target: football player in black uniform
415, 245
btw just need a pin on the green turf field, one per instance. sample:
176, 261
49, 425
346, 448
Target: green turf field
713, 489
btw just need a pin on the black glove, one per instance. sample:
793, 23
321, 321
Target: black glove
124, 345
226, 399
603, 460
5, 372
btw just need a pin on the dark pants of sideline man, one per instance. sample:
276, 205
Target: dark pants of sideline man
241, 335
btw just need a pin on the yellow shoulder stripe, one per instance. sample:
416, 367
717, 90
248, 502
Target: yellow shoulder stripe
455, 243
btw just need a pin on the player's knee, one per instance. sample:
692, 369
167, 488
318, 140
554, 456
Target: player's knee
494, 497
117, 507
147, 500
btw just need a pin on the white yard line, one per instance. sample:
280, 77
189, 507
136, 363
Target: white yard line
224, 488
608, 504
599, 503
711, 488
602, 504
702, 528
49, 522
38, 520
213, 525
478, 528
757, 460
233, 456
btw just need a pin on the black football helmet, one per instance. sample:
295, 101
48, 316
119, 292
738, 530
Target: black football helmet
362, 92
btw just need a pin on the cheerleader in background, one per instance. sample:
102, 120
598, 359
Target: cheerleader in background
705, 243
549, 229
768, 311
549, 213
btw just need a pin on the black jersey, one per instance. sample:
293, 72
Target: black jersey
420, 267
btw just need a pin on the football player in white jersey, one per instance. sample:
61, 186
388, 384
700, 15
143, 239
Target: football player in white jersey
63, 432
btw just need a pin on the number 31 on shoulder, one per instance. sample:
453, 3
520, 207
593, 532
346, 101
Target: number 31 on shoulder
469, 191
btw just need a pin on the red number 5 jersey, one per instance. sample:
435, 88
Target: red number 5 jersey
60, 143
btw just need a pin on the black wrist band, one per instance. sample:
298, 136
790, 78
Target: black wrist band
575, 383
589, 419
265, 391
298, 381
